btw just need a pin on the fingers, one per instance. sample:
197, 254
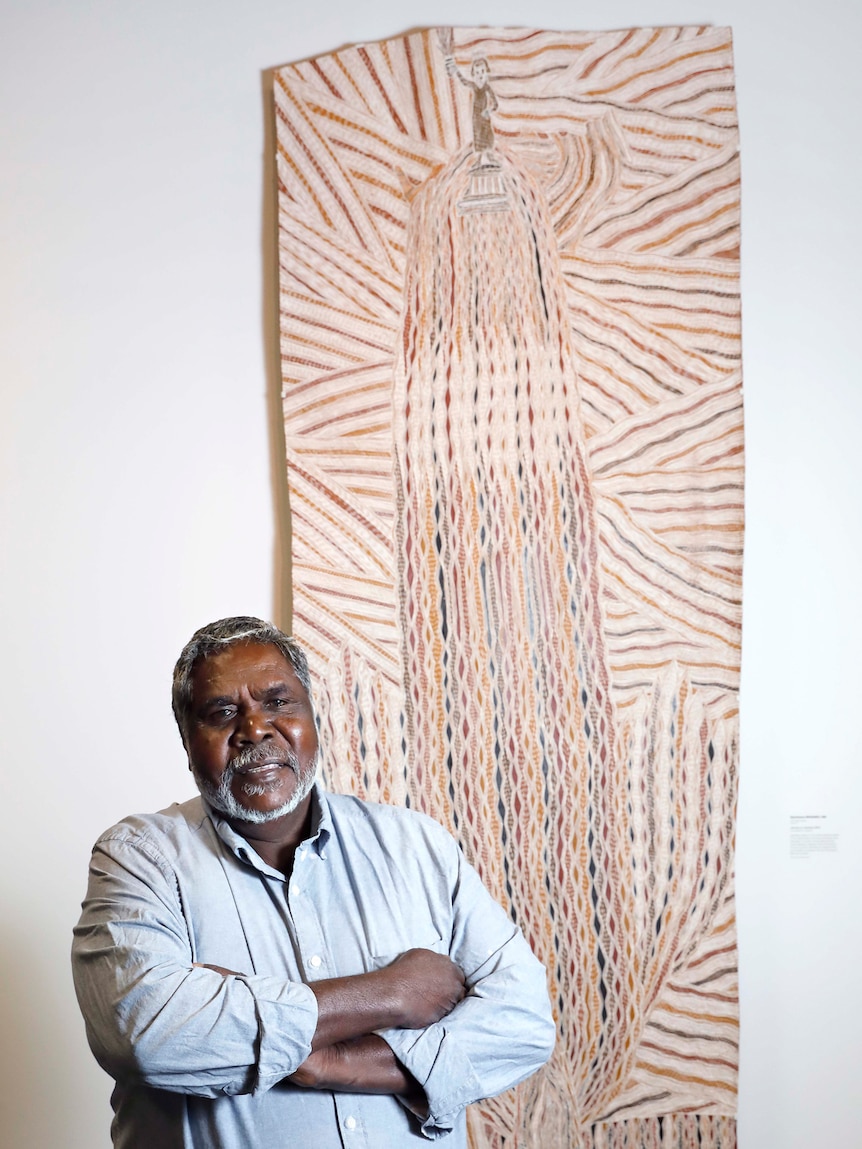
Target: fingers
216, 969
428, 985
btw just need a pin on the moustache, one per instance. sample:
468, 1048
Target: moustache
262, 754
251, 757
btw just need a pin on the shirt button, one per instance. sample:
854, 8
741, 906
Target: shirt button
294, 890
350, 1123
314, 962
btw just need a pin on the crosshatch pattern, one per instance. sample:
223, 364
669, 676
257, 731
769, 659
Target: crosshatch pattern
513, 417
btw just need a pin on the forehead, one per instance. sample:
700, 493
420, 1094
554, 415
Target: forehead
246, 665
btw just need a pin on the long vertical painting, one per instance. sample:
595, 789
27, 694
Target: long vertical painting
513, 420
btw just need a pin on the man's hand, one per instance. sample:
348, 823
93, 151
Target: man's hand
416, 990
349, 1067
362, 1065
426, 985
216, 969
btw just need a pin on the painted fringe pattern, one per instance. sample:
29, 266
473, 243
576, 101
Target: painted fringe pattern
512, 397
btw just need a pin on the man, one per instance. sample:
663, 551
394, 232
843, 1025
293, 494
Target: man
270, 965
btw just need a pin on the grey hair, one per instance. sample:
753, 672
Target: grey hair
216, 637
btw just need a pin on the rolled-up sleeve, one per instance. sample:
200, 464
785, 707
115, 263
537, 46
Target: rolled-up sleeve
501, 1032
151, 1014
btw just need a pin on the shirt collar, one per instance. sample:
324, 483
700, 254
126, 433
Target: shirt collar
321, 829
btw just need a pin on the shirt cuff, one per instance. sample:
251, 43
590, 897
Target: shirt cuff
287, 1019
450, 1083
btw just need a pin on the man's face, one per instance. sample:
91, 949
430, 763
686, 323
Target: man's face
251, 737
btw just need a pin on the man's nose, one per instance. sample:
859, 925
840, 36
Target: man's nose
254, 726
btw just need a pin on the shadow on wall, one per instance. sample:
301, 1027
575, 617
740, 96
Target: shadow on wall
282, 598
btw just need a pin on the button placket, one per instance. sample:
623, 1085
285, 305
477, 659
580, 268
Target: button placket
354, 1132
311, 945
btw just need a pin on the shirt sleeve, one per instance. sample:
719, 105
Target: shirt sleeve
151, 1015
501, 1032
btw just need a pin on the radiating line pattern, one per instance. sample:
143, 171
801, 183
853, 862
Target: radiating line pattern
513, 419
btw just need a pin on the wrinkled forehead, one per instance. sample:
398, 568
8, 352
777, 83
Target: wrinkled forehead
242, 665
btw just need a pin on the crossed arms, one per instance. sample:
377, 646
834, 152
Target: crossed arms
418, 989
438, 1030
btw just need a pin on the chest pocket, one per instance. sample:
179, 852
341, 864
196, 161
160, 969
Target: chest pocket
401, 916
384, 950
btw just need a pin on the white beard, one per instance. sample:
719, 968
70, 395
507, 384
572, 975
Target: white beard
221, 797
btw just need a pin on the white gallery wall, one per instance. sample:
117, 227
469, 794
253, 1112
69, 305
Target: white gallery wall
141, 481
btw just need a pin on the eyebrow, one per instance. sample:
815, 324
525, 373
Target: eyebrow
217, 700
281, 687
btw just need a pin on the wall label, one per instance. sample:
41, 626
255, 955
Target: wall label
809, 834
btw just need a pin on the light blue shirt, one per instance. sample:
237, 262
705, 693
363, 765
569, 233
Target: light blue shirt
200, 1059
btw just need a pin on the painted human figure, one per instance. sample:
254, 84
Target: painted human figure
484, 102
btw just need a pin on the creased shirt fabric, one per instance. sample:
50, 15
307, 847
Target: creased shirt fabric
200, 1059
